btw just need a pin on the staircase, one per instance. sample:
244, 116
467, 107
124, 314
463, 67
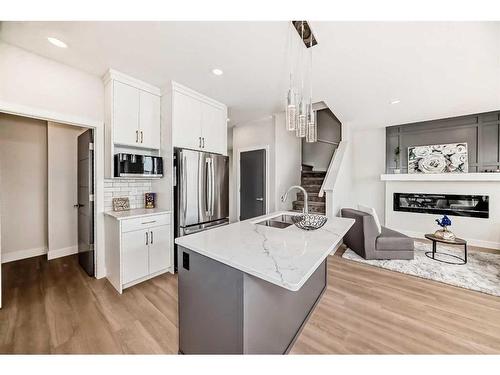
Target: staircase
311, 181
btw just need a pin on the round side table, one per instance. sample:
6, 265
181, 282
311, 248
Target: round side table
456, 241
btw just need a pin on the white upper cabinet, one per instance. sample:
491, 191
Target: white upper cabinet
126, 114
198, 122
132, 117
187, 121
214, 129
149, 120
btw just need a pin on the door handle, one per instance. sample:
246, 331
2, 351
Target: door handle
78, 205
259, 199
151, 237
147, 238
142, 137
137, 136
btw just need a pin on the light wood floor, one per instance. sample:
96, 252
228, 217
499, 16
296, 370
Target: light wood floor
53, 307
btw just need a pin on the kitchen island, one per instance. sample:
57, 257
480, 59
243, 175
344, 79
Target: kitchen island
249, 287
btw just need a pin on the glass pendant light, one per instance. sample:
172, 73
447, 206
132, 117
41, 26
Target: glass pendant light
301, 120
291, 110
312, 128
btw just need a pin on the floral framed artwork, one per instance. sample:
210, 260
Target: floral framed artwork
446, 158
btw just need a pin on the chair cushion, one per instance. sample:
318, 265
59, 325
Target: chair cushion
371, 211
391, 240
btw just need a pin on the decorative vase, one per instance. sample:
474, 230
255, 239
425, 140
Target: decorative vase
445, 234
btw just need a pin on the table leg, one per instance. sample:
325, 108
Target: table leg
433, 249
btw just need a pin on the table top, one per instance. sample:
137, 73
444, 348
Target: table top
456, 241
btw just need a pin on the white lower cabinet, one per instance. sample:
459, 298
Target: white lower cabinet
135, 257
159, 240
137, 249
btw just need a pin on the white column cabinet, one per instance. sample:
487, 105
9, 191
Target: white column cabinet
198, 122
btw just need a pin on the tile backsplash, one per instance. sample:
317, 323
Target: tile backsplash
134, 189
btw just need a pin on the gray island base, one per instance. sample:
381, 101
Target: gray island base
223, 310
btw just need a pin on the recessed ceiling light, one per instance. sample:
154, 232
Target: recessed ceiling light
57, 42
395, 101
217, 72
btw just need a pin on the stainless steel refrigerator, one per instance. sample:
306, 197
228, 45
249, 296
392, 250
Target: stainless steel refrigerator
201, 192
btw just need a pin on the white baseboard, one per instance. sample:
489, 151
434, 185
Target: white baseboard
12, 256
63, 252
470, 241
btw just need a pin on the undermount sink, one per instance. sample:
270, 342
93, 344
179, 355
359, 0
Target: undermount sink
281, 221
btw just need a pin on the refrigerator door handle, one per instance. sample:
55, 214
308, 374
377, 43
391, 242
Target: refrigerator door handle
208, 189
184, 188
212, 209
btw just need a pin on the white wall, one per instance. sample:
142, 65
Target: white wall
35, 81
41, 88
260, 134
482, 232
23, 167
288, 162
62, 178
368, 163
284, 158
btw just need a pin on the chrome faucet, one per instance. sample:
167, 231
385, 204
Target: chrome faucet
305, 210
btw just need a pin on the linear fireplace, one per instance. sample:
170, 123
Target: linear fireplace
443, 204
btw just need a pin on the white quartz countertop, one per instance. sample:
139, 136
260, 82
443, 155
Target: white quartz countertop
285, 257
137, 212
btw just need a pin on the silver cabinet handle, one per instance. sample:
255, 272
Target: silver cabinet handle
151, 237
149, 222
137, 136
203, 142
259, 199
147, 239
199, 142
142, 137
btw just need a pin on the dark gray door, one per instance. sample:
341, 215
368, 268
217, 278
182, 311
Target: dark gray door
86, 202
252, 184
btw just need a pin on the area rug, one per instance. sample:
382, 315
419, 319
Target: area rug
481, 273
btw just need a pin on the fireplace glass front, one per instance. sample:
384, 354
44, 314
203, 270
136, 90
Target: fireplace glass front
443, 204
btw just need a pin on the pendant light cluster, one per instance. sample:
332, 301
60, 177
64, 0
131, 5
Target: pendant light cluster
300, 116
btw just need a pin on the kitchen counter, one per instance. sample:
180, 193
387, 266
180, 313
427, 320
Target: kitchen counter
247, 288
134, 213
285, 257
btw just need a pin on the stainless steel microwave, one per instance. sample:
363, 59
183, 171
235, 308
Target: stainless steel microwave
135, 166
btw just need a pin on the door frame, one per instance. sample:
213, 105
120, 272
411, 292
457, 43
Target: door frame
238, 176
98, 129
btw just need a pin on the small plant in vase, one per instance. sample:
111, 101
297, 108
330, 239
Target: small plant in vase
396, 160
444, 233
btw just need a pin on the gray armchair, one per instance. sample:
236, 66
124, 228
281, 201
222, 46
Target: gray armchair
363, 238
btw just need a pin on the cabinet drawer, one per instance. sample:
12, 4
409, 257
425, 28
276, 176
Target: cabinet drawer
145, 222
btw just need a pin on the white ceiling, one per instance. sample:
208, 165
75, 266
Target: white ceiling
436, 69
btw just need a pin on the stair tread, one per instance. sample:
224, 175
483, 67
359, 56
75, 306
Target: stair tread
311, 203
313, 173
